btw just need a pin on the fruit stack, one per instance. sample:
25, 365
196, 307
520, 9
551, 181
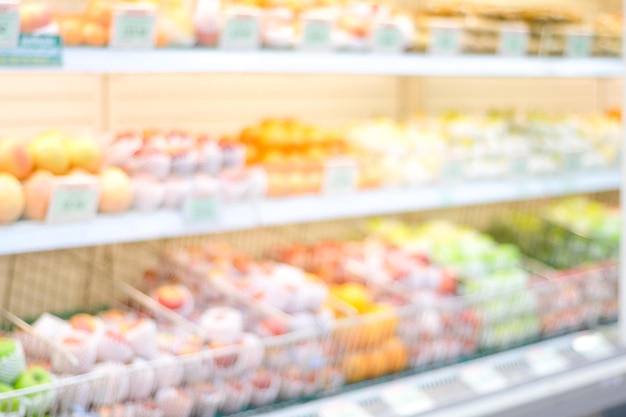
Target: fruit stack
166, 167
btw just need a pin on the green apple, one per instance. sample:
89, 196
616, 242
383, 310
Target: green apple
9, 405
7, 347
12, 362
35, 375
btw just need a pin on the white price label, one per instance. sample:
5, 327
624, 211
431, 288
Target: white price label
343, 409
74, 199
133, 27
340, 176
513, 40
387, 38
482, 379
593, 347
202, 204
9, 24
578, 44
545, 360
241, 31
445, 38
316, 35
407, 401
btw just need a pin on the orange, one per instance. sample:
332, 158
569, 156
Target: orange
378, 363
397, 354
71, 30
94, 34
99, 11
354, 367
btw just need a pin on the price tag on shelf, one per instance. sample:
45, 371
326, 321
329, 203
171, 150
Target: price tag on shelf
133, 27
316, 35
241, 31
579, 44
514, 38
387, 38
545, 360
593, 347
341, 176
445, 38
342, 409
9, 24
482, 378
74, 199
405, 400
572, 161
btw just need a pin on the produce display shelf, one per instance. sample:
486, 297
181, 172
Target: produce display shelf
88, 60
26, 236
570, 376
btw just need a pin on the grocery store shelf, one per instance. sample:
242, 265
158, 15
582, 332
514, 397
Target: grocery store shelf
294, 62
24, 237
589, 380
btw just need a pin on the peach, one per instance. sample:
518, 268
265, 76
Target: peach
116, 191
355, 367
15, 159
49, 153
85, 322
85, 153
11, 199
34, 16
38, 192
171, 297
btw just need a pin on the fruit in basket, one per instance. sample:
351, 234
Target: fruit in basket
15, 159
49, 153
174, 402
83, 347
397, 354
355, 367
353, 294
12, 362
149, 193
12, 199
11, 405
37, 194
116, 191
85, 322
175, 297
32, 377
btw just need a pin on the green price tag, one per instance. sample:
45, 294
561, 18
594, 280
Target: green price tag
572, 162
9, 25
518, 166
387, 39
316, 35
202, 210
452, 170
241, 32
133, 29
445, 40
513, 42
579, 45
73, 201
341, 177
34, 51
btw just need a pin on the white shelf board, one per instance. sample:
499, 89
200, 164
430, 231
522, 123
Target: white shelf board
294, 62
28, 236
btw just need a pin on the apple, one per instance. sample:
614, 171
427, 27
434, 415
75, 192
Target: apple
32, 377
262, 379
10, 405
12, 199
84, 322
172, 297
12, 362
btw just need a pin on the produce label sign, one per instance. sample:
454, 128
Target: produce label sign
202, 207
73, 200
388, 39
545, 361
579, 44
241, 32
445, 38
482, 379
343, 409
33, 51
9, 24
316, 35
405, 400
133, 27
513, 39
340, 176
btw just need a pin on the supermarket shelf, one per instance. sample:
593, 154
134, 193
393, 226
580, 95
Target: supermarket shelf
24, 237
588, 380
294, 62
